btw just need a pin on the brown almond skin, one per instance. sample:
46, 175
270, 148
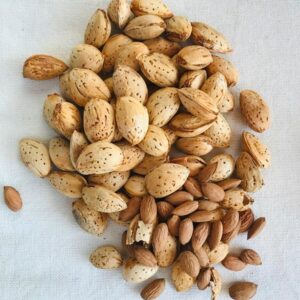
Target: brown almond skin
133, 207
256, 228
250, 257
216, 233
159, 237
153, 289
228, 237
200, 235
247, 219
12, 198
212, 191
179, 197
202, 257
148, 209
145, 257
230, 220
185, 208
229, 183
193, 187
207, 205
189, 263
203, 216
185, 231
206, 172
203, 278
242, 290
233, 263
173, 225
164, 209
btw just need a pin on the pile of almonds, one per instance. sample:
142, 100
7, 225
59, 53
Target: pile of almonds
163, 90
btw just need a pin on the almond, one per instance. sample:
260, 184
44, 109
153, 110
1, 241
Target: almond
192, 79
155, 7
199, 145
185, 231
219, 253
78, 142
193, 187
200, 235
43, 67
148, 209
257, 226
229, 183
12, 198
212, 191
227, 102
242, 290
145, 257
106, 257
202, 257
230, 220
119, 12
166, 256
216, 233
229, 236
159, 237
149, 163
250, 257
178, 29
173, 225
185, 208
206, 216
181, 280
163, 46
233, 263
153, 289
203, 278
237, 199
135, 186
189, 263
179, 198
247, 219
207, 205
164, 209
207, 172
132, 209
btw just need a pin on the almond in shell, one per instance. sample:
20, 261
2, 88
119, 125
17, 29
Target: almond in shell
78, 142
106, 257
149, 163
135, 186
181, 280
192, 79
155, 7
166, 256
219, 253
119, 12
163, 46
192, 162
178, 29
227, 102
237, 199
199, 145
225, 166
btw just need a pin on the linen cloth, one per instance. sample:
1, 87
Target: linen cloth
43, 252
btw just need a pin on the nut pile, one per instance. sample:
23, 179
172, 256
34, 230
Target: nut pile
117, 131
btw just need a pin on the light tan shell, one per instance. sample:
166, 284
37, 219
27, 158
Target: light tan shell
209, 38
163, 46
62, 116
119, 12
194, 57
145, 27
78, 142
181, 280
215, 86
99, 158
134, 272
178, 29
255, 110
87, 57
106, 257
198, 103
166, 256
237, 199
35, 156
99, 121
155, 7
199, 145
225, 67
218, 254
171, 136
128, 54
85, 85
226, 103
162, 105
155, 142
111, 50
68, 183
64, 84
259, 151
219, 132
117, 136
144, 232
102, 199
132, 119
225, 166
166, 179
192, 79
115, 215
109, 83
149, 163
192, 162
98, 29
215, 284
59, 151
249, 173
159, 69
127, 82
135, 186
112, 181
88, 219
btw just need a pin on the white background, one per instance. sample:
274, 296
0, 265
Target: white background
43, 252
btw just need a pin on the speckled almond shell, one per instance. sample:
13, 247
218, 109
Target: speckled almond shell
255, 110
109, 83
135, 186
162, 105
225, 67
119, 12
117, 136
215, 283
102, 199
194, 57
215, 86
238, 199
149, 163
113, 180
192, 79
163, 46
259, 152
88, 219
155, 142
249, 173
68, 183
155, 7
86, 85
132, 119
59, 151
171, 136
166, 257
134, 272
127, 82
180, 279
106, 257
78, 142
199, 145
219, 132
159, 69
166, 179
99, 121
178, 29
98, 29
209, 38
111, 50
225, 166
226, 103
99, 158
218, 254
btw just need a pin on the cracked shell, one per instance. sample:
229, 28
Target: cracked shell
155, 7
238, 199
225, 166
106, 257
192, 79
199, 145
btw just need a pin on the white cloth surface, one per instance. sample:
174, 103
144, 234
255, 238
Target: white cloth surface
43, 252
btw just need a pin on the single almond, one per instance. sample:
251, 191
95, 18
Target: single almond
257, 226
189, 263
193, 187
133, 207
247, 219
242, 290
148, 209
206, 216
229, 236
185, 231
164, 209
203, 278
145, 257
250, 257
202, 257
179, 198
212, 191
159, 237
200, 235
153, 289
233, 263
12, 198
205, 173
207, 205
229, 183
185, 208
230, 220
173, 225
216, 233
